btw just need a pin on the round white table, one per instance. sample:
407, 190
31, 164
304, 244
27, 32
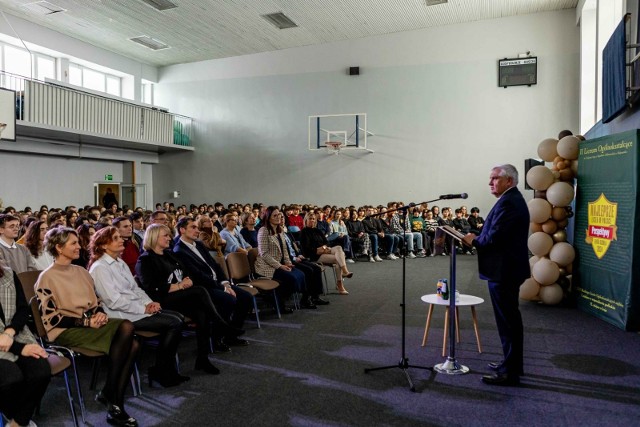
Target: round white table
464, 301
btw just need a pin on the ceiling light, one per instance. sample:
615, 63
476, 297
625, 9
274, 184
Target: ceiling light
160, 4
43, 8
149, 42
280, 20
435, 2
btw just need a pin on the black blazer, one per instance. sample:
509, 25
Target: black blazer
310, 240
502, 245
156, 273
200, 271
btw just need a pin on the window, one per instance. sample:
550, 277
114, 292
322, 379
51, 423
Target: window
45, 67
113, 85
17, 61
75, 75
94, 80
598, 20
147, 92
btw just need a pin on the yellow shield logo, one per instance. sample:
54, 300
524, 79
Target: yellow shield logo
602, 225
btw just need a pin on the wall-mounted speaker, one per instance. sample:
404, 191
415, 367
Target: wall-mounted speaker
354, 71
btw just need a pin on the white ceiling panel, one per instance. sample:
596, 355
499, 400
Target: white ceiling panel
198, 30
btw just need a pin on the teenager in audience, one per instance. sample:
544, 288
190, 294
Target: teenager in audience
85, 232
122, 299
339, 235
209, 235
358, 235
316, 248
131, 247
34, 239
24, 370
476, 221
73, 317
373, 227
16, 256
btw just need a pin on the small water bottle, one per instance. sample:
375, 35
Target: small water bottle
439, 289
445, 289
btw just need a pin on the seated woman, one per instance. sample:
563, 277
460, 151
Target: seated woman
24, 370
73, 317
249, 232
34, 239
234, 239
162, 277
315, 247
84, 232
210, 235
123, 299
273, 258
338, 235
358, 235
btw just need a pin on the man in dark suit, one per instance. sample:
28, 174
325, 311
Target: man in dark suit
503, 260
232, 302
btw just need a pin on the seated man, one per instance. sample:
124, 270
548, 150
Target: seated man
461, 224
131, 247
232, 302
475, 221
16, 256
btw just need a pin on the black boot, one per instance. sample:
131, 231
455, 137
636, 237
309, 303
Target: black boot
203, 364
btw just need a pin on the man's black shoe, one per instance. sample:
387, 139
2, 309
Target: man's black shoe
501, 379
286, 310
320, 301
308, 303
220, 347
236, 342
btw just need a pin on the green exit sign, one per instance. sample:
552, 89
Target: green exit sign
108, 177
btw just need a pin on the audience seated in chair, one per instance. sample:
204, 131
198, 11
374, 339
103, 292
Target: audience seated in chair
123, 299
232, 302
24, 371
73, 317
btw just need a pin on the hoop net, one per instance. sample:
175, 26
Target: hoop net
333, 147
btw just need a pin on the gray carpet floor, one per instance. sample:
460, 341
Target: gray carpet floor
308, 368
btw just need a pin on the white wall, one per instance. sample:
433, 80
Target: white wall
34, 180
432, 100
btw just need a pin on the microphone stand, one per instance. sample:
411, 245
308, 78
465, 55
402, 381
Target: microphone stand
403, 364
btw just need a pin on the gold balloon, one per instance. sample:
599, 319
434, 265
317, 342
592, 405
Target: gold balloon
569, 268
559, 236
534, 227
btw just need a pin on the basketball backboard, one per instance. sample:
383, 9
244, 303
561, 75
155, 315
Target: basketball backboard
350, 130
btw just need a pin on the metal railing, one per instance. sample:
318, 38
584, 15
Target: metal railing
83, 112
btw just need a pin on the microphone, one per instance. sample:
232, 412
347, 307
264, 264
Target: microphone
454, 196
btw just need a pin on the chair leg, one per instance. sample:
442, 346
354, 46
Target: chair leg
255, 308
70, 398
94, 373
275, 297
135, 380
78, 389
325, 284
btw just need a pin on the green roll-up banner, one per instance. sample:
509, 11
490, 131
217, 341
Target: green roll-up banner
606, 233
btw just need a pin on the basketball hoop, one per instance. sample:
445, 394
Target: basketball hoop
333, 147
